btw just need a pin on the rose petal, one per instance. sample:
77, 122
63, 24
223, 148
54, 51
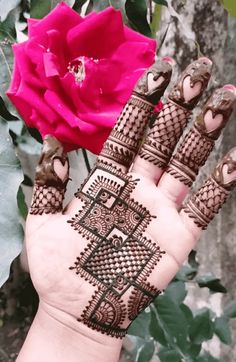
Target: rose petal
61, 17
51, 64
92, 39
134, 36
59, 106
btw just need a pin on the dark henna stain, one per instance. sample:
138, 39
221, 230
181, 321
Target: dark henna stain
198, 71
118, 258
159, 69
164, 134
49, 189
221, 102
124, 141
198, 143
207, 202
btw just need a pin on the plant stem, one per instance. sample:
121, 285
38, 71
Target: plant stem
86, 160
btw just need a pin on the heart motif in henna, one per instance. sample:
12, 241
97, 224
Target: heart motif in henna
152, 84
190, 92
212, 123
60, 169
228, 176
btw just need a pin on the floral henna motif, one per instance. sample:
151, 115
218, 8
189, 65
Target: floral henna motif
126, 136
118, 258
168, 126
207, 202
199, 141
49, 189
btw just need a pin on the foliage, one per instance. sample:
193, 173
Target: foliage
168, 328
173, 331
10, 178
230, 6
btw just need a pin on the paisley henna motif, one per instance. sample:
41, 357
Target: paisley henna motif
118, 258
196, 146
207, 202
49, 189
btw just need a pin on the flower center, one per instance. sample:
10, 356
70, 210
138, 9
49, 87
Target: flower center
77, 68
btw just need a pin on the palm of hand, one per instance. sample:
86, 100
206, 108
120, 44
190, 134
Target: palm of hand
124, 227
130, 254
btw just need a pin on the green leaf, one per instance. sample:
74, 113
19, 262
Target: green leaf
193, 350
99, 5
221, 329
201, 328
192, 259
186, 273
156, 18
29, 144
230, 310
211, 282
35, 134
187, 312
7, 27
136, 11
11, 177
168, 355
146, 352
78, 5
161, 2
21, 203
172, 321
230, 6
176, 291
156, 330
39, 8
7, 6
140, 326
207, 357
4, 113
27, 181
6, 63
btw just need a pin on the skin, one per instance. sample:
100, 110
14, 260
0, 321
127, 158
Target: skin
52, 246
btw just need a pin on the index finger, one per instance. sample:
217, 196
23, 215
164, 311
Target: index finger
124, 140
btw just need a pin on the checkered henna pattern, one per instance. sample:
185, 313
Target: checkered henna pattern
207, 202
168, 126
118, 258
198, 143
125, 138
49, 189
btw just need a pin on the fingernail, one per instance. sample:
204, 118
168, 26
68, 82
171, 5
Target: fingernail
205, 60
169, 60
230, 87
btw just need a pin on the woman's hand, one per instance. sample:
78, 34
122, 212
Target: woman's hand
100, 261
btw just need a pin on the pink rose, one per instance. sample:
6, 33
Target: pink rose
73, 75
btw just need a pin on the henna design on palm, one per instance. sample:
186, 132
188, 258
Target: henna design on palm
118, 258
124, 256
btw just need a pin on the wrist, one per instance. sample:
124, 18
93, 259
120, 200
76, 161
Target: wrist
57, 336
